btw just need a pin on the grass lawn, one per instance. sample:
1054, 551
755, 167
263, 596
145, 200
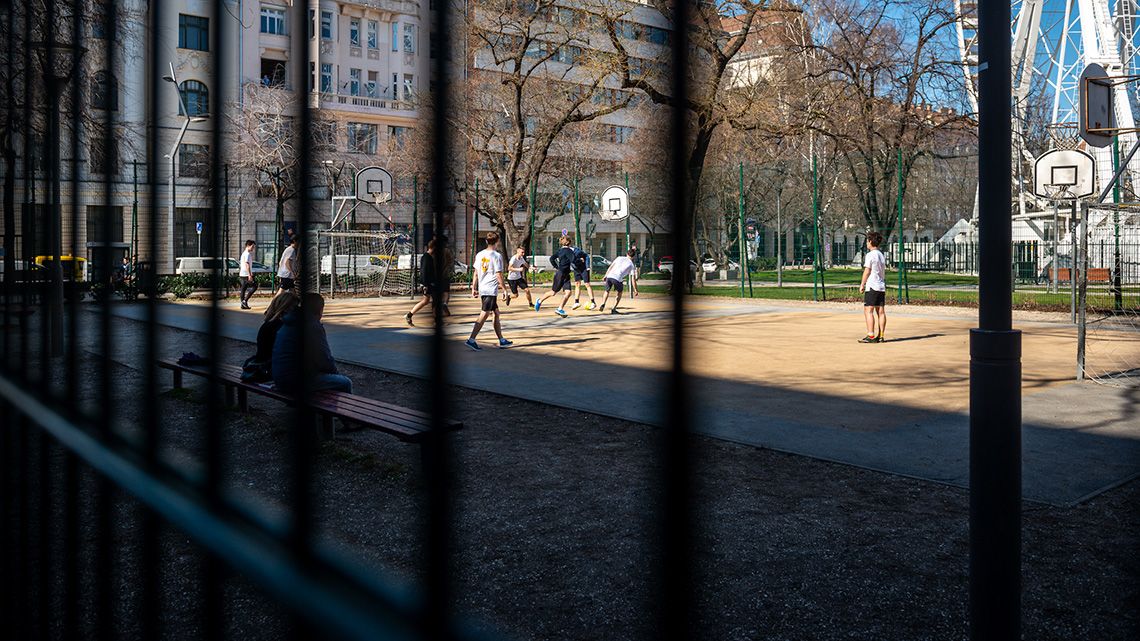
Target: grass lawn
845, 276
1022, 299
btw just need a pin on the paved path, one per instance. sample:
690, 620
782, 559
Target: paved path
785, 377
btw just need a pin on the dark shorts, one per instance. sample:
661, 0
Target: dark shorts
426, 289
872, 298
561, 279
287, 283
516, 284
613, 283
582, 276
490, 303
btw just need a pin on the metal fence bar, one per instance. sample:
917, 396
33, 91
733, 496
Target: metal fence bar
436, 455
675, 615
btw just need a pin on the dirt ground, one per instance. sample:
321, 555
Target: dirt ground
554, 513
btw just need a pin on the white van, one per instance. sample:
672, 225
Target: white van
539, 264
355, 264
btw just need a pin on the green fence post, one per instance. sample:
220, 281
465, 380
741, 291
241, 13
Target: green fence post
629, 279
578, 218
902, 243
530, 237
474, 234
740, 233
815, 218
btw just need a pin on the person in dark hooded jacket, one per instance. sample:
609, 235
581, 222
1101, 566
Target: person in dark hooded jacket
290, 358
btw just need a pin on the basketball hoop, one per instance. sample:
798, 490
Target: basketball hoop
614, 204
1064, 174
374, 185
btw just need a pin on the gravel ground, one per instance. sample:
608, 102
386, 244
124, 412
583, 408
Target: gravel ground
554, 536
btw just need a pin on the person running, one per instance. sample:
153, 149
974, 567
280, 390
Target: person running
485, 285
245, 274
560, 262
516, 277
581, 267
873, 287
621, 267
287, 266
427, 280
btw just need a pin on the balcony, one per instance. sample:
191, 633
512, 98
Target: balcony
366, 104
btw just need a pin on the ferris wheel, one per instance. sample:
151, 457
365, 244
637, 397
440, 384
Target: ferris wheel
1052, 41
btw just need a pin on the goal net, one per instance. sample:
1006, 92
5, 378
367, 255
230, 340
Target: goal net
1109, 322
362, 263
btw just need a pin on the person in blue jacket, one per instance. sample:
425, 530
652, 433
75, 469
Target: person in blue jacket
290, 358
561, 262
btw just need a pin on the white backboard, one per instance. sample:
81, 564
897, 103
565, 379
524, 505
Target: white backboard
614, 204
373, 185
1064, 174
1098, 119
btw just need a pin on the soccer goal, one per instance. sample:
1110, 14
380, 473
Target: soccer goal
363, 263
1108, 260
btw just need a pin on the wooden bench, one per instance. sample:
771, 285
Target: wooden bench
408, 425
1096, 274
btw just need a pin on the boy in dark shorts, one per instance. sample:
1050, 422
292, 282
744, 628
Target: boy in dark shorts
516, 277
560, 261
581, 268
485, 285
874, 290
621, 267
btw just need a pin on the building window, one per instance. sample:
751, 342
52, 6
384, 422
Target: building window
395, 36
196, 97
373, 34
265, 233
409, 38
193, 32
101, 23
324, 134
373, 83
97, 216
326, 78
193, 160
354, 32
395, 86
361, 138
326, 25
103, 153
105, 91
273, 20
354, 82
397, 136
409, 86
187, 241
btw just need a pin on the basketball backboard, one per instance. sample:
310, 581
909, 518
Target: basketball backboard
1064, 174
373, 185
1098, 119
614, 204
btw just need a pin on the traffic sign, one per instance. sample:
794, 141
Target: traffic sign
198, 227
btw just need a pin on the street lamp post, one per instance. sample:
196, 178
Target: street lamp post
185, 112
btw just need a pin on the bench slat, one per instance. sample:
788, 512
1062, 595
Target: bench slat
405, 424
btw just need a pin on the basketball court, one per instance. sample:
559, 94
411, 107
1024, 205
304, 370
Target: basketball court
776, 375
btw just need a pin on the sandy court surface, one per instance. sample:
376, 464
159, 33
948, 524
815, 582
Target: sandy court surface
924, 364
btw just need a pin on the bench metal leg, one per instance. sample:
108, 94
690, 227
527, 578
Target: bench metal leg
177, 378
328, 431
243, 400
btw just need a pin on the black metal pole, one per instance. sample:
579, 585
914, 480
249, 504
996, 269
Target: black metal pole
995, 356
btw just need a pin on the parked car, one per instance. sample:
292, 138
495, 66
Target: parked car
405, 262
599, 263
74, 268
665, 265
710, 266
258, 268
356, 264
539, 264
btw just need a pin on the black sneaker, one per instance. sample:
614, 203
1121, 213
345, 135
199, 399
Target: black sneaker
880, 339
408, 319
507, 301
869, 339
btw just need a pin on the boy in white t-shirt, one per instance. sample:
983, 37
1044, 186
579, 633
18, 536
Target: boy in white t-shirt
485, 285
516, 277
287, 267
621, 267
245, 273
874, 290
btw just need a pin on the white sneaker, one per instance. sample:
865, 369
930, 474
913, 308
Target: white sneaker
575, 305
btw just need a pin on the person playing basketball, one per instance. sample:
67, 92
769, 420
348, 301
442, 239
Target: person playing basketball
485, 285
561, 262
581, 268
621, 267
516, 277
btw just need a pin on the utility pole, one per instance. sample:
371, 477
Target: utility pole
530, 236
995, 354
416, 232
1117, 265
740, 233
815, 216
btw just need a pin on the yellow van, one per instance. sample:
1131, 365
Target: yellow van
74, 267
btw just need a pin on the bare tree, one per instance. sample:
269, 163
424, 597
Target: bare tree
872, 83
537, 79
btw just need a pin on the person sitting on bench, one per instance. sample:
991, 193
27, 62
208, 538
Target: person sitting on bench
291, 359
